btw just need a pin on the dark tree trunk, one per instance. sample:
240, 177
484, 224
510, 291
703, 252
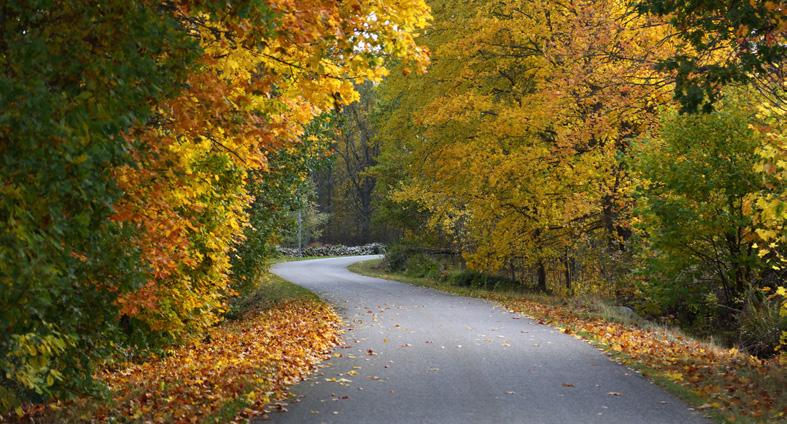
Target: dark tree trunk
542, 276
567, 271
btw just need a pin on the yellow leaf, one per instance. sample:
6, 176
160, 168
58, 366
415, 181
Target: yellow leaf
675, 376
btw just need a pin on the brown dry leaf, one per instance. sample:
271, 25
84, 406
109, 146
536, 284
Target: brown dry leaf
726, 378
253, 359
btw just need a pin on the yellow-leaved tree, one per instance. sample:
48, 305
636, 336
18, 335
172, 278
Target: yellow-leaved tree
520, 129
263, 76
769, 207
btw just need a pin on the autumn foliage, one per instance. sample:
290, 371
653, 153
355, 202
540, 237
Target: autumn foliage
149, 152
730, 382
131, 134
233, 373
251, 361
545, 147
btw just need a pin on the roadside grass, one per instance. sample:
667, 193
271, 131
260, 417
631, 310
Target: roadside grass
725, 384
282, 258
271, 291
276, 337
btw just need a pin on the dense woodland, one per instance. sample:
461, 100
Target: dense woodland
153, 154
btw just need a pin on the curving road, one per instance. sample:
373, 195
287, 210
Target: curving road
415, 355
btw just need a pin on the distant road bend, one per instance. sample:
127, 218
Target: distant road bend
415, 355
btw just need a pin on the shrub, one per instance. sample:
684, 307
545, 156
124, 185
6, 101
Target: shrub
395, 258
695, 175
760, 324
470, 278
421, 265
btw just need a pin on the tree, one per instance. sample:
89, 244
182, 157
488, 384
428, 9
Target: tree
246, 101
697, 173
725, 42
347, 185
75, 76
518, 130
768, 206
278, 193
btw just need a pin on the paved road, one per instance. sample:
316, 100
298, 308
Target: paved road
415, 355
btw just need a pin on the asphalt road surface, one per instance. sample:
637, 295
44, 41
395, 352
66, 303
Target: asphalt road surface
415, 355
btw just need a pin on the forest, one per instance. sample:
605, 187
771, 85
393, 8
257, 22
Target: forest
154, 155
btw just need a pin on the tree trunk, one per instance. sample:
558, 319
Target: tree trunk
542, 276
567, 271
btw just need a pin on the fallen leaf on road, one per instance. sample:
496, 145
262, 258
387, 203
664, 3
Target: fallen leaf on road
342, 381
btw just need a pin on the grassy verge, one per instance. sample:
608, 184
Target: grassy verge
272, 291
276, 337
280, 259
725, 384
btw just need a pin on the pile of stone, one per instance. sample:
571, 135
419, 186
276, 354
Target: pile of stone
334, 250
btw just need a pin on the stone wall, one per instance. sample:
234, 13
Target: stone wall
334, 250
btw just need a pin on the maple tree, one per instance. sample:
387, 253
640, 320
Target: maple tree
151, 154
204, 200
768, 207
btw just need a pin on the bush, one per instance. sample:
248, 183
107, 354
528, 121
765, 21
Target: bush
695, 175
760, 324
67, 103
395, 258
475, 279
421, 265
